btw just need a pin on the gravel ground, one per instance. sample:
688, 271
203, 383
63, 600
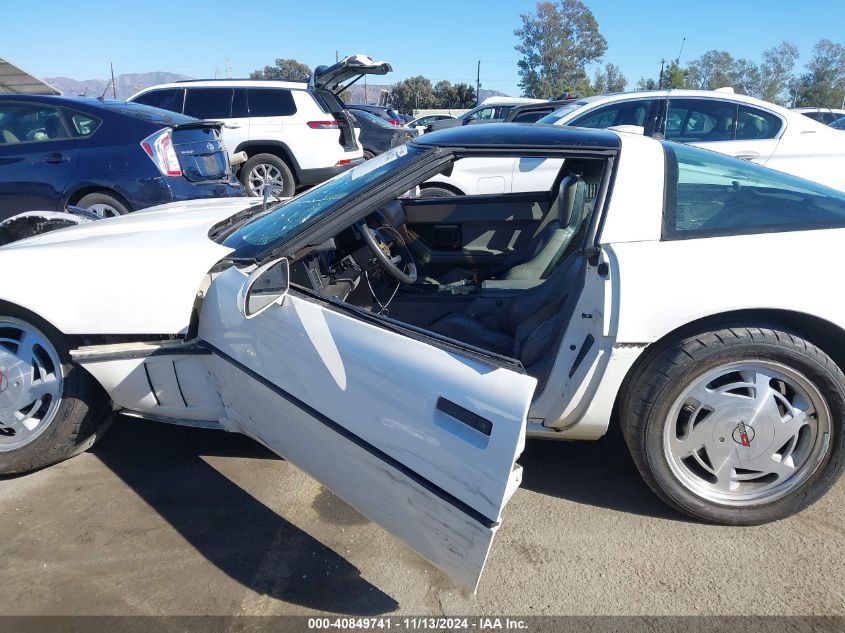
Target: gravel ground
163, 520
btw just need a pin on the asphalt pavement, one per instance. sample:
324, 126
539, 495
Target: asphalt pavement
162, 520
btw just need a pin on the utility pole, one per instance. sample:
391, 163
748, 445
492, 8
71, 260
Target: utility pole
113, 89
335, 57
366, 99
660, 81
478, 84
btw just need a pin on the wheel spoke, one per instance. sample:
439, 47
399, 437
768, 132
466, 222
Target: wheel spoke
32, 383
48, 386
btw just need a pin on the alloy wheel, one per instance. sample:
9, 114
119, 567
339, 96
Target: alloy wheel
747, 433
30, 383
263, 175
104, 210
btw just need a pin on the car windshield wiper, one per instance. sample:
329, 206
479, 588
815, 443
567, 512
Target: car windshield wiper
231, 223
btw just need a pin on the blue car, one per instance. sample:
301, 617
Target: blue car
108, 156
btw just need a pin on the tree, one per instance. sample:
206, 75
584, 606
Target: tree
413, 93
449, 95
285, 70
712, 70
557, 42
610, 79
823, 85
776, 73
646, 84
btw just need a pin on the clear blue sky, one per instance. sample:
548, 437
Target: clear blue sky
442, 39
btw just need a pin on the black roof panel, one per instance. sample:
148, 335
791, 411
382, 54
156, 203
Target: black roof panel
494, 135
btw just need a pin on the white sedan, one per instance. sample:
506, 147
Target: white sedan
398, 349
718, 120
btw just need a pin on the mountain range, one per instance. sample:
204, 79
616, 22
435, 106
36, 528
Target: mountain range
126, 85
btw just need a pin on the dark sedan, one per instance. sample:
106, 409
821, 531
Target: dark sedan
377, 135
108, 156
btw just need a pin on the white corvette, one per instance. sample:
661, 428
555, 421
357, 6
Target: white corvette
398, 348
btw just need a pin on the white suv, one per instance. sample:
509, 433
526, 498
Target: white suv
294, 133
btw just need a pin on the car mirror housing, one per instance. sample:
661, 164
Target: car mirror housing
266, 285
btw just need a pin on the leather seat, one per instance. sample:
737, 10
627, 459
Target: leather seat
534, 321
536, 259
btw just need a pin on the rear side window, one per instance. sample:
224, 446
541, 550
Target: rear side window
816, 116
700, 120
710, 194
622, 113
81, 124
529, 117
270, 102
209, 103
756, 124
166, 99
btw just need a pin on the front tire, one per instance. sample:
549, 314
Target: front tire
264, 170
738, 426
50, 408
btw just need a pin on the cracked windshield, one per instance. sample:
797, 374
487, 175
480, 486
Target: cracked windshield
287, 217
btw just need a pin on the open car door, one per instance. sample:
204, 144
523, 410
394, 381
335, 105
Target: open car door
350, 68
416, 433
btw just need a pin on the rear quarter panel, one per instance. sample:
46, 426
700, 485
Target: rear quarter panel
665, 285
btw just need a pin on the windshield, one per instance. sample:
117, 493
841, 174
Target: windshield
561, 112
281, 222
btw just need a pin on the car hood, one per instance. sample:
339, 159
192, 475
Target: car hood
136, 274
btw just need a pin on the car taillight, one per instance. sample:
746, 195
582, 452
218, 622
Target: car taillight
159, 147
344, 161
323, 125
394, 122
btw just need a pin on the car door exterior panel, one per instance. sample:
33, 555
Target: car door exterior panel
420, 438
37, 158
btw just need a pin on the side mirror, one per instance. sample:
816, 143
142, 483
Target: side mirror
267, 285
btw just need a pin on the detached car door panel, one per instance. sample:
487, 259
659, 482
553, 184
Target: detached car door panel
419, 436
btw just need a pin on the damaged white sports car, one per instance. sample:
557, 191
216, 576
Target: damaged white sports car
399, 348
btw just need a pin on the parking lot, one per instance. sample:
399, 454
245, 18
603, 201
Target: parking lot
164, 520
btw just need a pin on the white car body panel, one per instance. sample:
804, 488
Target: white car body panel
702, 269
142, 270
332, 383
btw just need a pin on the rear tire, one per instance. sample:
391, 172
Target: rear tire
738, 426
103, 204
368, 154
50, 408
266, 169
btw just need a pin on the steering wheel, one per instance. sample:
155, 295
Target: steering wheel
381, 249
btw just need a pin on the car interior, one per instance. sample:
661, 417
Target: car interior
502, 273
